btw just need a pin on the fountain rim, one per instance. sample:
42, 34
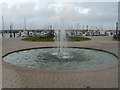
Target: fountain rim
64, 71
97, 49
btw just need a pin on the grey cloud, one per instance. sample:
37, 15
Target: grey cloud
40, 14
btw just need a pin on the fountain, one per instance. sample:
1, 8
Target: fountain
60, 57
61, 43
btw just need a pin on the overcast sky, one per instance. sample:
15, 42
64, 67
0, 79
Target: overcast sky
41, 14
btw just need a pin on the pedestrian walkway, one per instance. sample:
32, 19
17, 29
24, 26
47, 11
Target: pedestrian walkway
21, 77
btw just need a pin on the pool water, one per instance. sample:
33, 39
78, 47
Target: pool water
45, 58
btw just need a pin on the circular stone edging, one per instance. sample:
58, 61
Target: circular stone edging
56, 47
78, 70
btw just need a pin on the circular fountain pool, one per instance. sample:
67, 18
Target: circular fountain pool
75, 58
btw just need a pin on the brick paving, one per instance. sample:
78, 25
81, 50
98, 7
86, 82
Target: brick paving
20, 77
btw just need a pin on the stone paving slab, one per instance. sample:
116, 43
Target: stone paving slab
21, 77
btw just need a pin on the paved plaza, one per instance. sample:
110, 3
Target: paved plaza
21, 77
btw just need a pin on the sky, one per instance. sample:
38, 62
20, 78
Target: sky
73, 14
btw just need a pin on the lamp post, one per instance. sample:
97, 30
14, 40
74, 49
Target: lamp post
116, 28
2, 26
11, 28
